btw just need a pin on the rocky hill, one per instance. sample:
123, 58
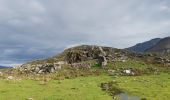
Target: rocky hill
142, 47
86, 56
83, 56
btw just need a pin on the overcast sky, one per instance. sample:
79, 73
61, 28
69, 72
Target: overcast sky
33, 29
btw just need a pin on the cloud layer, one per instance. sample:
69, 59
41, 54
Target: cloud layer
31, 29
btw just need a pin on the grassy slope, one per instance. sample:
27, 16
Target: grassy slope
152, 87
86, 88
130, 64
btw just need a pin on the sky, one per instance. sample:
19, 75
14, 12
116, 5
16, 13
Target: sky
38, 29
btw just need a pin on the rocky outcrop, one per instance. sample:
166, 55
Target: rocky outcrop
77, 55
102, 57
82, 65
161, 60
85, 57
42, 68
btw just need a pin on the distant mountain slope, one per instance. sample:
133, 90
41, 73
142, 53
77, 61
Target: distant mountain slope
141, 47
162, 46
1, 67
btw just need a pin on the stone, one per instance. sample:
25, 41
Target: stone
75, 56
29, 99
102, 61
105, 86
10, 78
102, 52
52, 70
57, 67
61, 63
40, 71
37, 69
81, 65
1, 74
127, 71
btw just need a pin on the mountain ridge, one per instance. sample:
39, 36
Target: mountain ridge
2, 67
142, 47
162, 46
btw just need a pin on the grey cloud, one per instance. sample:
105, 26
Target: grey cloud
31, 29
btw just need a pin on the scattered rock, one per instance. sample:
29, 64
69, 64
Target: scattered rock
84, 65
10, 78
111, 88
29, 99
161, 60
128, 71
42, 68
1, 74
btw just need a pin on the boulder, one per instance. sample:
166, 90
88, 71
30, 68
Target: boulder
57, 66
81, 65
102, 61
37, 69
161, 60
40, 71
29, 99
1, 74
80, 55
10, 78
129, 72
61, 63
75, 56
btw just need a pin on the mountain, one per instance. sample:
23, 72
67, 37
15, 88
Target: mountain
2, 67
162, 46
141, 47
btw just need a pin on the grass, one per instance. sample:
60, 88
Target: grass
152, 87
82, 88
128, 64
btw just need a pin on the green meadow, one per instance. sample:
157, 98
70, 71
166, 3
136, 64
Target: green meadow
152, 87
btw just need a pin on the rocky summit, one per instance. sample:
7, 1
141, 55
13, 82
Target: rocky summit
83, 56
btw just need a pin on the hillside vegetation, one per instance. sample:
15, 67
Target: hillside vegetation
89, 73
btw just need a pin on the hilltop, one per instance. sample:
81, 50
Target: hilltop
87, 56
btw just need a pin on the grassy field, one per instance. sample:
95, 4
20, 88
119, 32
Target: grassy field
82, 88
152, 87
